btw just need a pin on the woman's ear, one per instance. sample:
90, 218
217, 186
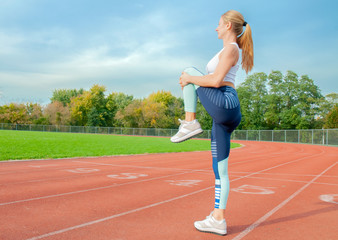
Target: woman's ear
228, 25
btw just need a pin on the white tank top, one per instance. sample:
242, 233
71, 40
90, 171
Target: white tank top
212, 64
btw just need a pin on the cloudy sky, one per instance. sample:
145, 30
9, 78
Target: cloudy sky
138, 47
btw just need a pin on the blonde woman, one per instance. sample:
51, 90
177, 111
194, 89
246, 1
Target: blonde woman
216, 91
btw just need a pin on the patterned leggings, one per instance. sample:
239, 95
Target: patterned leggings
223, 106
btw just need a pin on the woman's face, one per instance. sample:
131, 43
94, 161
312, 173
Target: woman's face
222, 28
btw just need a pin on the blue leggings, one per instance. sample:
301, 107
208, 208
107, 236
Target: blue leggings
223, 106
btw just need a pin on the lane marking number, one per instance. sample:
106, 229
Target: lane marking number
83, 170
184, 183
127, 175
47, 165
250, 189
330, 198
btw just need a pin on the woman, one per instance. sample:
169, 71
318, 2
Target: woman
217, 93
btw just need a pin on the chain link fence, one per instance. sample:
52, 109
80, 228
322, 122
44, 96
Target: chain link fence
308, 136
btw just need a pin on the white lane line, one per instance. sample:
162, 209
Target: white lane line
288, 174
262, 157
88, 190
246, 176
142, 208
131, 166
94, 189
282, 204
286, 180
117, 215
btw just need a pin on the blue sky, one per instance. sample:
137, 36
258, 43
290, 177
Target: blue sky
140, 47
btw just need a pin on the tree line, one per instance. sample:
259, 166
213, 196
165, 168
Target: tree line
273, 101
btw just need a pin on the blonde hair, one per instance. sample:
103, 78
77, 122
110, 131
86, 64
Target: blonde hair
244, 39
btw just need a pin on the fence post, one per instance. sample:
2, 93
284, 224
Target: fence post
327, 136
272, 136
312, 136
285, 135
298, 135
259, 135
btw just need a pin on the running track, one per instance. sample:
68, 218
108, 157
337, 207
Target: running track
278, 191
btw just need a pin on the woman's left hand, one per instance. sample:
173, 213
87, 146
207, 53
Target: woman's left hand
184, 79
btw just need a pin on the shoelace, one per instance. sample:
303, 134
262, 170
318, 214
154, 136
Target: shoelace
181, 123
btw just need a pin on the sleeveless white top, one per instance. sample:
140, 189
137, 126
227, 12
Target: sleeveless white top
212, 64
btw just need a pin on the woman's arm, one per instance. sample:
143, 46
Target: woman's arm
227, 58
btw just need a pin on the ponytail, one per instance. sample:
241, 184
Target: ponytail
244, 39
245, 43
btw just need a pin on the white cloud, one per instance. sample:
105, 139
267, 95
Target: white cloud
130, 59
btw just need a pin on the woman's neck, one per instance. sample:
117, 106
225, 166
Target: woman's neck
229, 39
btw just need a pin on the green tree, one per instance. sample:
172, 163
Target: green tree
165, 111
132, 115
29, 113
98, 114
158, 110
79, 108
203, 117
331, 120
252, 96
274, 100
90, 109
300, 102
65, 95
115, 102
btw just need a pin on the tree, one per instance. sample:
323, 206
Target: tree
274, 100
252, 96
131, 116
158, 110
28, 113
115, 102
89, 108
331, 120
65, 95
165, 110
300, 102
79, 108
57, 113
288, 102
332, 98
203, 117
98, 114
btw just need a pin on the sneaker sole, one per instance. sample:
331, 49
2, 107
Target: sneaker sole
210, 231
188, 136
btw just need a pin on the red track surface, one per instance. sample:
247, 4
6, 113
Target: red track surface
278, 191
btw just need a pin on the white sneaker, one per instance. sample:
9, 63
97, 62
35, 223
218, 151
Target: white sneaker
186, 130
211, 225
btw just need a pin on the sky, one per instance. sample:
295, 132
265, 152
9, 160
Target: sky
141, 47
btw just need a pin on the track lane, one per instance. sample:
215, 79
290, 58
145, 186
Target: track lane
288, 167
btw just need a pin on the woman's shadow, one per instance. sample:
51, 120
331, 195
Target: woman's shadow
332, 207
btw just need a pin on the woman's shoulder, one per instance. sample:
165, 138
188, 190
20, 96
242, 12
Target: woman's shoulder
229, 49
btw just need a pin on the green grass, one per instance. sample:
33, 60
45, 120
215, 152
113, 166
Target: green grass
41, 145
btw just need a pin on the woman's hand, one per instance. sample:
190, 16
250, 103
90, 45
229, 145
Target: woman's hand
184, 79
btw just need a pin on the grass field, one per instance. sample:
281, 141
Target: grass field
41, 145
